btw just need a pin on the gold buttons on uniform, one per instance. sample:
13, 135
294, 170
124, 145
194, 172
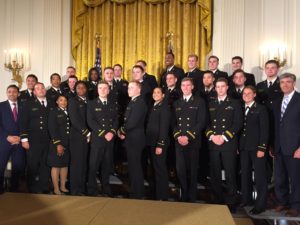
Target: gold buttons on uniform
41, 128
223, 120
223, 126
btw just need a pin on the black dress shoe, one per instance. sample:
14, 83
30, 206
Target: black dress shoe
255, 211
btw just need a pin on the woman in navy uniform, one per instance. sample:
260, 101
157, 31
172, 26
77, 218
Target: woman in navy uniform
79, 138
58, 156
252, 146
157, 139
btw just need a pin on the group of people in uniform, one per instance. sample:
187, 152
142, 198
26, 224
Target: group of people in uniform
198, 122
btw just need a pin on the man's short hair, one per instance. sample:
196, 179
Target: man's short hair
102, 82
238, 58
193, 56
188, 79
72, 77
288, 75
252, 88
171, 53
13, 86
32, 76
139, 67
213, 57
71, 67
238, 71
108, 68
80, 82
53, 75
222, 79
272, 61
209, 72
171, 73
119, 65
136, 83
38, 83
142, 61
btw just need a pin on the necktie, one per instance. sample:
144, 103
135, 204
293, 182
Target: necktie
239, 91
43, 104
247, 110
270, 83
284, 105
15, 112
59, 91
104, 102
169, 90
185, 99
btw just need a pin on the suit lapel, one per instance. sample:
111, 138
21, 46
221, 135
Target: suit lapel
290, 105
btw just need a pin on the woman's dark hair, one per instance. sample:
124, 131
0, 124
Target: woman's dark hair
90, 74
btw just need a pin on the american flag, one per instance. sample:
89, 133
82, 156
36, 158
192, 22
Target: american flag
98, 61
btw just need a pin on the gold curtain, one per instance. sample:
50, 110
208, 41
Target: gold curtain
136, 29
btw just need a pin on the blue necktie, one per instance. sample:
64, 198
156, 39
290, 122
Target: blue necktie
284, 105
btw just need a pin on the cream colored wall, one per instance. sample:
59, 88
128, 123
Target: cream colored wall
242, 26
43, 28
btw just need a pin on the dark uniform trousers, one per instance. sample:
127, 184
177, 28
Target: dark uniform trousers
157, 133
190, 119
135, 141
253, 138
78, 145
34, 127
225, 119
102, 118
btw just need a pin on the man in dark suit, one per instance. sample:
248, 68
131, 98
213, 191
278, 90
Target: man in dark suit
238, 84
195, 73
287, 147
213, 63
27, 94
148, 78
133, 132
35, 139
10, 138
146, 92
170, 67
190, 120
237, 64
226, 121
54, 91
70, 71
102, 117
252, 147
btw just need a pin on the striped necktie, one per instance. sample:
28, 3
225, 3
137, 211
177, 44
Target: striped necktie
284, 105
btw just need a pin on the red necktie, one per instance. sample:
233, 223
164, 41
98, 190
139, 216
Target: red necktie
15, 112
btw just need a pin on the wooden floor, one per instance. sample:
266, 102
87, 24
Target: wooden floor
25, 209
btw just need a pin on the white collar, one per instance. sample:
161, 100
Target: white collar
214, 70
187, 97
209, 88
170, 68
117, 78
11, 103
56, 89
192, 70
103, 99
250, 104
171, 88
290, 95
40, 100
241, 88
134, 97
272, 80
84, 99
222, 99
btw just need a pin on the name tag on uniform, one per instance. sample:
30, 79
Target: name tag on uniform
178, 109
229, 108
212, 109
59, 116
81, 106
34, 109
97, 109
193, 107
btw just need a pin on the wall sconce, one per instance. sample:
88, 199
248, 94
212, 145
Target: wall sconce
15, 61
276, 51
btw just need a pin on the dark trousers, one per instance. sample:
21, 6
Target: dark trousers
101, 157
287, 181
187, 158
135, 170
228, 160
17, 154
78, 163
250, 161
38, 172
161, 174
